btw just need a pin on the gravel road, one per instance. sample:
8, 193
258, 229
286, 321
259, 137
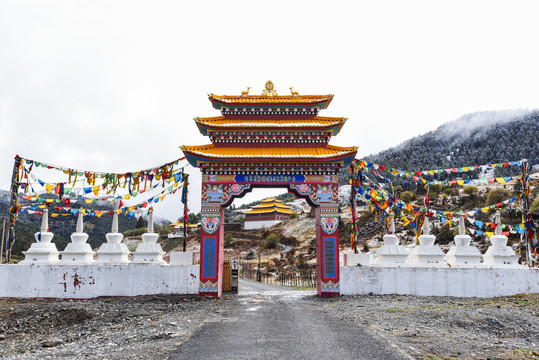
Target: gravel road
272, 322
285, 321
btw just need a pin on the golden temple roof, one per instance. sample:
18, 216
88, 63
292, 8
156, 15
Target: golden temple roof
317, 121
270, 210
211, 151
263, 99
270, 204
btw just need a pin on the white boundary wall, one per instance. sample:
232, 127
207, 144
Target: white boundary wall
430, 281
249, 225
91, 281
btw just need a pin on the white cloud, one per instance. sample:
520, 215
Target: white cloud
114, 86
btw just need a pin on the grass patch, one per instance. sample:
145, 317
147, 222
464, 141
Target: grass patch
172, 243
304, 287
526, 352
396, 310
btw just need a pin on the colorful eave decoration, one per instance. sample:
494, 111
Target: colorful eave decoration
211, 153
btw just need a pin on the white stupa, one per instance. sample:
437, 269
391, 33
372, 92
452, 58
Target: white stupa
42, 252
462, 254
427, 254
499, 254
391, 253
78, 252
113, 252
149, 252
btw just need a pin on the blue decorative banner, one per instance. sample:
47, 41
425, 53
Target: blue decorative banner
208, 270
330, 259
242, 178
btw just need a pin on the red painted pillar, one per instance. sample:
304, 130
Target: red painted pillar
327, 250
211, 250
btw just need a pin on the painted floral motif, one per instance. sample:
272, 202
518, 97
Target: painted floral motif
329, 223
304, 188
210, 223
235, 188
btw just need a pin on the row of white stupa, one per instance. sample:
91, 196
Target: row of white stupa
462, 254
78, 252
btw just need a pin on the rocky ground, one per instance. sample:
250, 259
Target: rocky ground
148, 327
448, 327
152, 327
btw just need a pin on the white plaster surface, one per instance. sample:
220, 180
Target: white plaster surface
427, 254
249, 225
462, 254
181, 258
90, 281
351, 259
149, 251
432, 281
390, 253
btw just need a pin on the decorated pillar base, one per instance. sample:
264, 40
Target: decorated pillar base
149, 252
211, 250
113, 252
42, 252
78, 252
327, 250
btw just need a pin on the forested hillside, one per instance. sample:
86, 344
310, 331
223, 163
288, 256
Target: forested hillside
474, 139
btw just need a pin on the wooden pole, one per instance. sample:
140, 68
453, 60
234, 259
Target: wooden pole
13, 208
526, 215
2, 242
185, 212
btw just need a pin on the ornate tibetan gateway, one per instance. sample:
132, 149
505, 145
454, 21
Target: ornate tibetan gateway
269, 140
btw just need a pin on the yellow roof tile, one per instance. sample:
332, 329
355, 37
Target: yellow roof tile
270, 210
317, 121
211, 151
273, 204
262, 99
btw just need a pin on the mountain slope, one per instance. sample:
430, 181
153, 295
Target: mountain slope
473, 139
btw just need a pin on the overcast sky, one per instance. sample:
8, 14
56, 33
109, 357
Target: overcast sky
114, 85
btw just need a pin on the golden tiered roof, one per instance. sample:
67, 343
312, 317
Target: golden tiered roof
270, 205
263, 99
327, 152
317, 121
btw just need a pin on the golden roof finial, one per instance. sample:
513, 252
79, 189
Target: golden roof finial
269, 90
294, 93
245, 93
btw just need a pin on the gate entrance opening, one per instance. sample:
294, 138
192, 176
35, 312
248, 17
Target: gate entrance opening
269, 140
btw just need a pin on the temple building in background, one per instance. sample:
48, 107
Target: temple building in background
270, 212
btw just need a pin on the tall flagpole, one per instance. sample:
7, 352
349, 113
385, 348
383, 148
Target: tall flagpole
2, 242
13, 208
185, 209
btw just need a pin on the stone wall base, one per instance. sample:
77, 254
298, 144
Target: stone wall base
429, 281
91, 281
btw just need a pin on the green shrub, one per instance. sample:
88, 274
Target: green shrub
434, 189
135, 232
470, 190
451, 191
271, 241
229, 239
408, 196
495, 196
534, 207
